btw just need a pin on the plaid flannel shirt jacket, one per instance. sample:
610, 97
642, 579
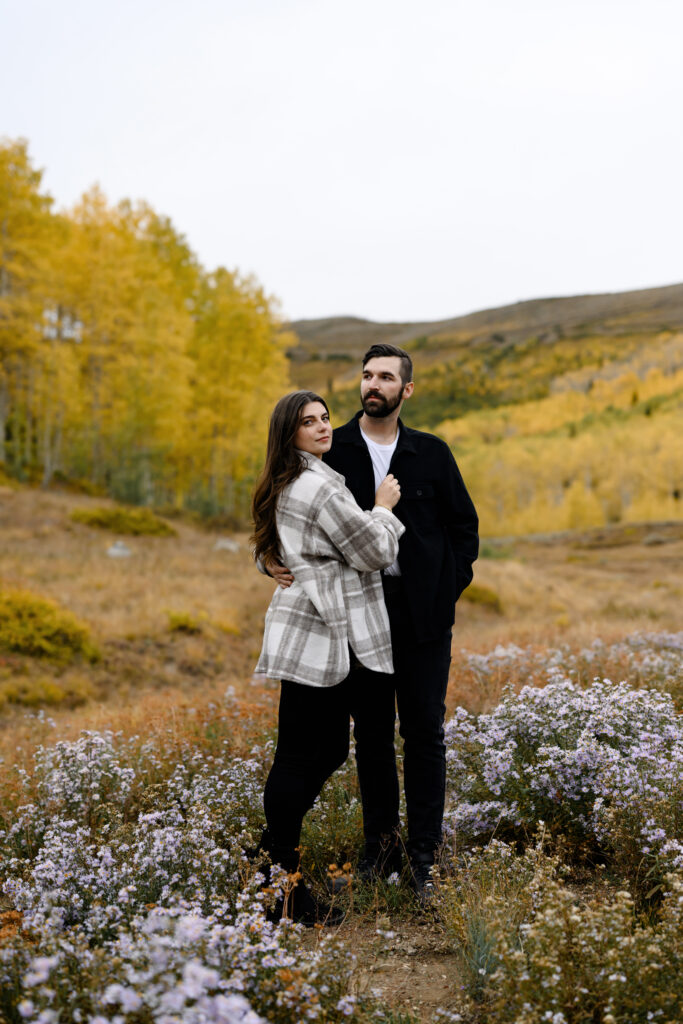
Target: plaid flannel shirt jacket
334, 550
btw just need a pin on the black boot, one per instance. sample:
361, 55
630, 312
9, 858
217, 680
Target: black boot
422, 861
297, 902
380, 859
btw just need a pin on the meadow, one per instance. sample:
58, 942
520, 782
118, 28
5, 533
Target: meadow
135, 742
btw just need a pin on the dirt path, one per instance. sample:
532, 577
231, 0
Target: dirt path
409, 968
417, 973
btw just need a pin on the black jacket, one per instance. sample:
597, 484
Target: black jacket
440, 543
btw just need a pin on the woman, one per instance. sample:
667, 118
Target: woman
334, 611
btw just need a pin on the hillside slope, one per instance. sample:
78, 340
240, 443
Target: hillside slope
650, 309
562, 413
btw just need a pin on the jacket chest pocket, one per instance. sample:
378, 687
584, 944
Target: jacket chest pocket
419, 506
417, 492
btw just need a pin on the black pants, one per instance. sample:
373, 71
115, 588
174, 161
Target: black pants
418, 687
313, 739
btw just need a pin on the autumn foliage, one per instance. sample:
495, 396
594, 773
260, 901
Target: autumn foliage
124, 364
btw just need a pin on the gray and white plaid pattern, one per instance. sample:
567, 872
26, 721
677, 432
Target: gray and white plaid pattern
334, 550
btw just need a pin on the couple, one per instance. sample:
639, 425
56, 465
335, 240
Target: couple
348, 640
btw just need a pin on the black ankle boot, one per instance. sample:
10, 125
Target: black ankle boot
297, 902
380, 859
422, 861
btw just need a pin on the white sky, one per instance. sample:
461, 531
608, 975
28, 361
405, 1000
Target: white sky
400, 161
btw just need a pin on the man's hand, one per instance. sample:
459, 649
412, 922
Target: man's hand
280, 574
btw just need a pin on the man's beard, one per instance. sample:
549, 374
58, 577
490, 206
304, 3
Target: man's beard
381, 406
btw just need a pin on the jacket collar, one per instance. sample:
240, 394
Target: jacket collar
318, 466
350, 434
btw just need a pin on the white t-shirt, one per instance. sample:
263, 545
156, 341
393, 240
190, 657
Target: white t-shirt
381, 455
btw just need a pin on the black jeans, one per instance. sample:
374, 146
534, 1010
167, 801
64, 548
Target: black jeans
313, 741
418, 687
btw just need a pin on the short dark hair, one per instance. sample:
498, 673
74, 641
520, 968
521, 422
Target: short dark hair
391, 350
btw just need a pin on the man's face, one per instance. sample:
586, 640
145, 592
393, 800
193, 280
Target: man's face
381, 388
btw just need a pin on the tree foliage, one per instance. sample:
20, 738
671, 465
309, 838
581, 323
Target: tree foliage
123, 362
610, 451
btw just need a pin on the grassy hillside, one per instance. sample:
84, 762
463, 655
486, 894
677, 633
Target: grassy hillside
562, 413
492, 357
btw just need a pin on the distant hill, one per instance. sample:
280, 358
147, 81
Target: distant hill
491, 357
562, 413
651, 309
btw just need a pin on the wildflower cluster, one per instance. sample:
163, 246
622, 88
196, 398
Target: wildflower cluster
650, 660
589, 962
139, 900
573, 759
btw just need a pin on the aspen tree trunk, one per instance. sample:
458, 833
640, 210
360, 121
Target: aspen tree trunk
96, 424
28, 427
45, 446
147, 487
4, 410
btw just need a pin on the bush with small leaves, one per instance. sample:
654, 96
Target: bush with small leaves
469, 895
573, 759
575, 962
39, 628
124, 520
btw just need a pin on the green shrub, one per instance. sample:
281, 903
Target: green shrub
486, 597
69, 691
132, 521
470, 895
184, 622
583, 963
494, 549
31, 625
5, 480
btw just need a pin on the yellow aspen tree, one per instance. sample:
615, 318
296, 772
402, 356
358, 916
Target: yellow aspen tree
131, 279
25, 223
240, 369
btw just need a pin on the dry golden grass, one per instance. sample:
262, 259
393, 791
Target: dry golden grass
570, 589
43, 551
560, 591
149, 674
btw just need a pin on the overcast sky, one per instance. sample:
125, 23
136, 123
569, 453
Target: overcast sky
399, 161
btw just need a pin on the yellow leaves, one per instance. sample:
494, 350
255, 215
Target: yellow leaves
130, 365
607, 449
240, 371
31, 625
623, 471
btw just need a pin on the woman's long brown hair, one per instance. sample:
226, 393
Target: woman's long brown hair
283, 465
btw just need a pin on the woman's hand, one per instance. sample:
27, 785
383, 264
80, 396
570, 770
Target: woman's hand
388, 492
280, 574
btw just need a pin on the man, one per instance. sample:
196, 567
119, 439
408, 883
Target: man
421, 588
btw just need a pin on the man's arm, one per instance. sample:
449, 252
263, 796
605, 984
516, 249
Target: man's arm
460, 519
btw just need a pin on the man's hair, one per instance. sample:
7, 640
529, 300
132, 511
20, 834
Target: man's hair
406, 369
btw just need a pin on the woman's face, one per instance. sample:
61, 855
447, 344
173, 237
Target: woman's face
315, 433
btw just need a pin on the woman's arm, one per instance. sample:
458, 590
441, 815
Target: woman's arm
367, 540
